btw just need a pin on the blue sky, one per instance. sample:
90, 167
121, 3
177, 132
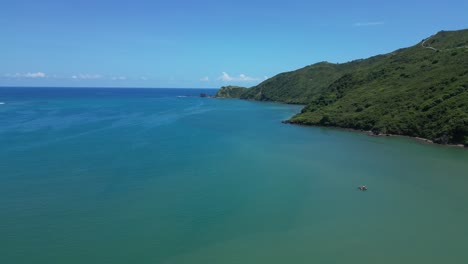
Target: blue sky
201, 44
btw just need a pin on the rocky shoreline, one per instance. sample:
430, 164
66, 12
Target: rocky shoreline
377, 134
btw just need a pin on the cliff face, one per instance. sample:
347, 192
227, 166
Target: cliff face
420, 91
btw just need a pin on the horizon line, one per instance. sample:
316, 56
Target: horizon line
102, 87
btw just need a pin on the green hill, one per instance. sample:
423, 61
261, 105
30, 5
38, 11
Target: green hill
230, 92
420, 91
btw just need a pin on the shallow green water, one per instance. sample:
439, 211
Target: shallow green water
132, 176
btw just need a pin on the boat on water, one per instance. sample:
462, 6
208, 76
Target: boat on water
362, 188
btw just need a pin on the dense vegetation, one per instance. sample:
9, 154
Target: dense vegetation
421, 91
230, 92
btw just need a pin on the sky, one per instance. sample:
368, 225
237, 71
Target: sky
202, 44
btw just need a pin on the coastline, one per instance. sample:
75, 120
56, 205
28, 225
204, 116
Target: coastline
369, 133
373, 134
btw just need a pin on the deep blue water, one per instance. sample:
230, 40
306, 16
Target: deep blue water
101, 175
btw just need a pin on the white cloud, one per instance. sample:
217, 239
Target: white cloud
35, 75
225, 77
241, 78
87, 76
366, 24
119, 78
205, 79
27, 75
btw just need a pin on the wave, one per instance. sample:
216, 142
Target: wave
2, 103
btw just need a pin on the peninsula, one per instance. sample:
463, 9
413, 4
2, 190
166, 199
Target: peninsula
419, 91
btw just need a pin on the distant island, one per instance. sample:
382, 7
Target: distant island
420, 91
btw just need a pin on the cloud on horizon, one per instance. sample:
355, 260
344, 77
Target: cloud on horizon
74, 77
27, 75
87, 76
119, 78
367, 24
225, 77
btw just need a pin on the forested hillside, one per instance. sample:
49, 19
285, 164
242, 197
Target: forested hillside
420, 91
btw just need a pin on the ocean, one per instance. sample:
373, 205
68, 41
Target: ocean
101, 175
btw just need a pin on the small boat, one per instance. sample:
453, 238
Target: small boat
362, 188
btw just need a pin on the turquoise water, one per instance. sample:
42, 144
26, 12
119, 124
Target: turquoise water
145, 176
